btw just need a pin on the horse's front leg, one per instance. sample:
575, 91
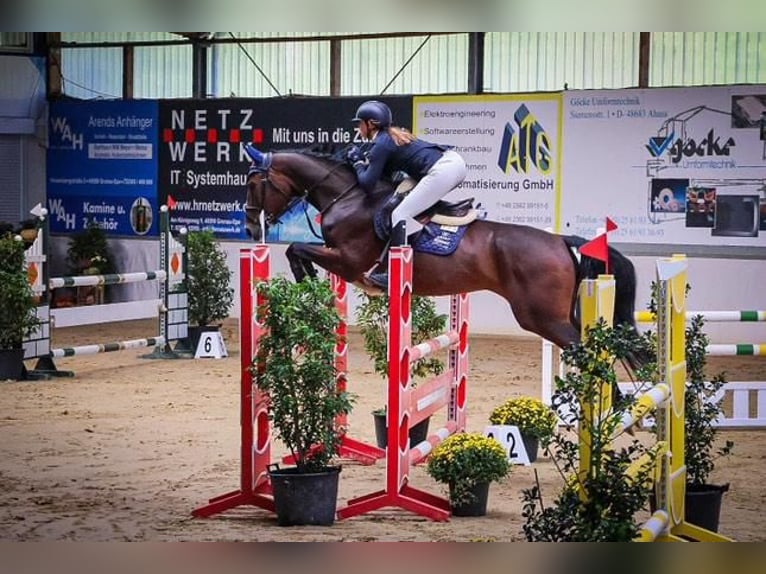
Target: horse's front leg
300, 266
302, 255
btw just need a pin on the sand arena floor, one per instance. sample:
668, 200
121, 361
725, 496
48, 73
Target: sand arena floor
129, 447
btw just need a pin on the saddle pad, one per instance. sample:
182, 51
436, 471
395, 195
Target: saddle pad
439, 239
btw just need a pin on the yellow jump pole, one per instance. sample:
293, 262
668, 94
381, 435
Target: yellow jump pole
671, 360
596, 297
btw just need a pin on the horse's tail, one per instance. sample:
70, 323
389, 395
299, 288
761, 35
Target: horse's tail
625, 290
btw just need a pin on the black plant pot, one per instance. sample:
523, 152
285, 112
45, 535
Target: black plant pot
477, 506
305, 498
703, 505
11, 364
531, 445
418, 433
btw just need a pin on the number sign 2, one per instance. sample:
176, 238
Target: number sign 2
510, 437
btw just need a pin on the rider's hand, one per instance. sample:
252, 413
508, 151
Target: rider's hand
354, 156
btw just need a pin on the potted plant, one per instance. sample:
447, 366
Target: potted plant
295, 367
372, 318
535, 420
468, 463
88, 253
18, 307
208, 284
601, 498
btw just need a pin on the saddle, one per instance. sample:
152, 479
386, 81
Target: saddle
442, 212
447, 213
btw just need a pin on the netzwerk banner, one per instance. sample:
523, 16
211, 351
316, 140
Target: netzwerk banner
203, 166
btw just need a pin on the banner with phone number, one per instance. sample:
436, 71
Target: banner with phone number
683, 166
203, 166
102, 167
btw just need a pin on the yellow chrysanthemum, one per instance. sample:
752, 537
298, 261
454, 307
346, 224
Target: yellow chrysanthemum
533, 417
468, 455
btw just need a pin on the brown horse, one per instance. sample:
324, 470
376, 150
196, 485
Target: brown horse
535, 271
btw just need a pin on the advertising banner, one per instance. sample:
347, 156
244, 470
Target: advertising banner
102, 167
203, 166
674, 165
512, 146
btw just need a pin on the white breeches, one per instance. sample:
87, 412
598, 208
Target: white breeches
445, 174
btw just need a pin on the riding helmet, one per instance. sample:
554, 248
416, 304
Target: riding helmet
375, 111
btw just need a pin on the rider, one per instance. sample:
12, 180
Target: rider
436, 168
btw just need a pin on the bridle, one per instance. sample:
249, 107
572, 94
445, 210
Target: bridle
290, 199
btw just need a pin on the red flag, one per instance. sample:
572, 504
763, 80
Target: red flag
171, 202
610, 225
597, 249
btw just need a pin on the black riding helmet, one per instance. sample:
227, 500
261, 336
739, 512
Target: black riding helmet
374, 111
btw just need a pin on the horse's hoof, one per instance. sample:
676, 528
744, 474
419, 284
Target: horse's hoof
379, 280
368, 288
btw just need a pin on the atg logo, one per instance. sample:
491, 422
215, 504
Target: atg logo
710, 145
525, 145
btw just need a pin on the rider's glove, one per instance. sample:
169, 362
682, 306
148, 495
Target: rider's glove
354, 156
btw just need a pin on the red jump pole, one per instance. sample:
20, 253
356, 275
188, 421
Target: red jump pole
255, 487
402, 408
349, 447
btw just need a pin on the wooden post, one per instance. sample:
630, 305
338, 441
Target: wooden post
127, 72
644, 57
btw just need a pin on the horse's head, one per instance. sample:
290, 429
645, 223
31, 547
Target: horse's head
276, 181
270, 192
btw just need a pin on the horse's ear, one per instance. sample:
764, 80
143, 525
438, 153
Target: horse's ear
260, 159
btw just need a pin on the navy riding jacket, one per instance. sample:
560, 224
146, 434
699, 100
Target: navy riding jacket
385, 158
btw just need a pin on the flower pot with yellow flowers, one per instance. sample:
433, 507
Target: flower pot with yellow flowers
468, 463
535, 420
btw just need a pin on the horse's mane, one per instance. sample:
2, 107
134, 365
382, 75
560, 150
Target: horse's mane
328, 151
336, 153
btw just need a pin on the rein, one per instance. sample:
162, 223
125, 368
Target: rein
291, 200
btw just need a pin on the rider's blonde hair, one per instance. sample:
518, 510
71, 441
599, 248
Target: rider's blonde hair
401, 136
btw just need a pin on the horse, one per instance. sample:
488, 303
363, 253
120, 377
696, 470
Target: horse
535, 271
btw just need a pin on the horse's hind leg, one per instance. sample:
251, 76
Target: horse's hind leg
560, 332
551, 320
544, 307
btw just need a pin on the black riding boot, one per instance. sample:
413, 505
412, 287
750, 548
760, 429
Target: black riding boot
379, 278
383, 218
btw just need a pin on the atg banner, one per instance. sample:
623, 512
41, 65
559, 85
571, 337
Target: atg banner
512, 146
102, 167
203, 166
672, 165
